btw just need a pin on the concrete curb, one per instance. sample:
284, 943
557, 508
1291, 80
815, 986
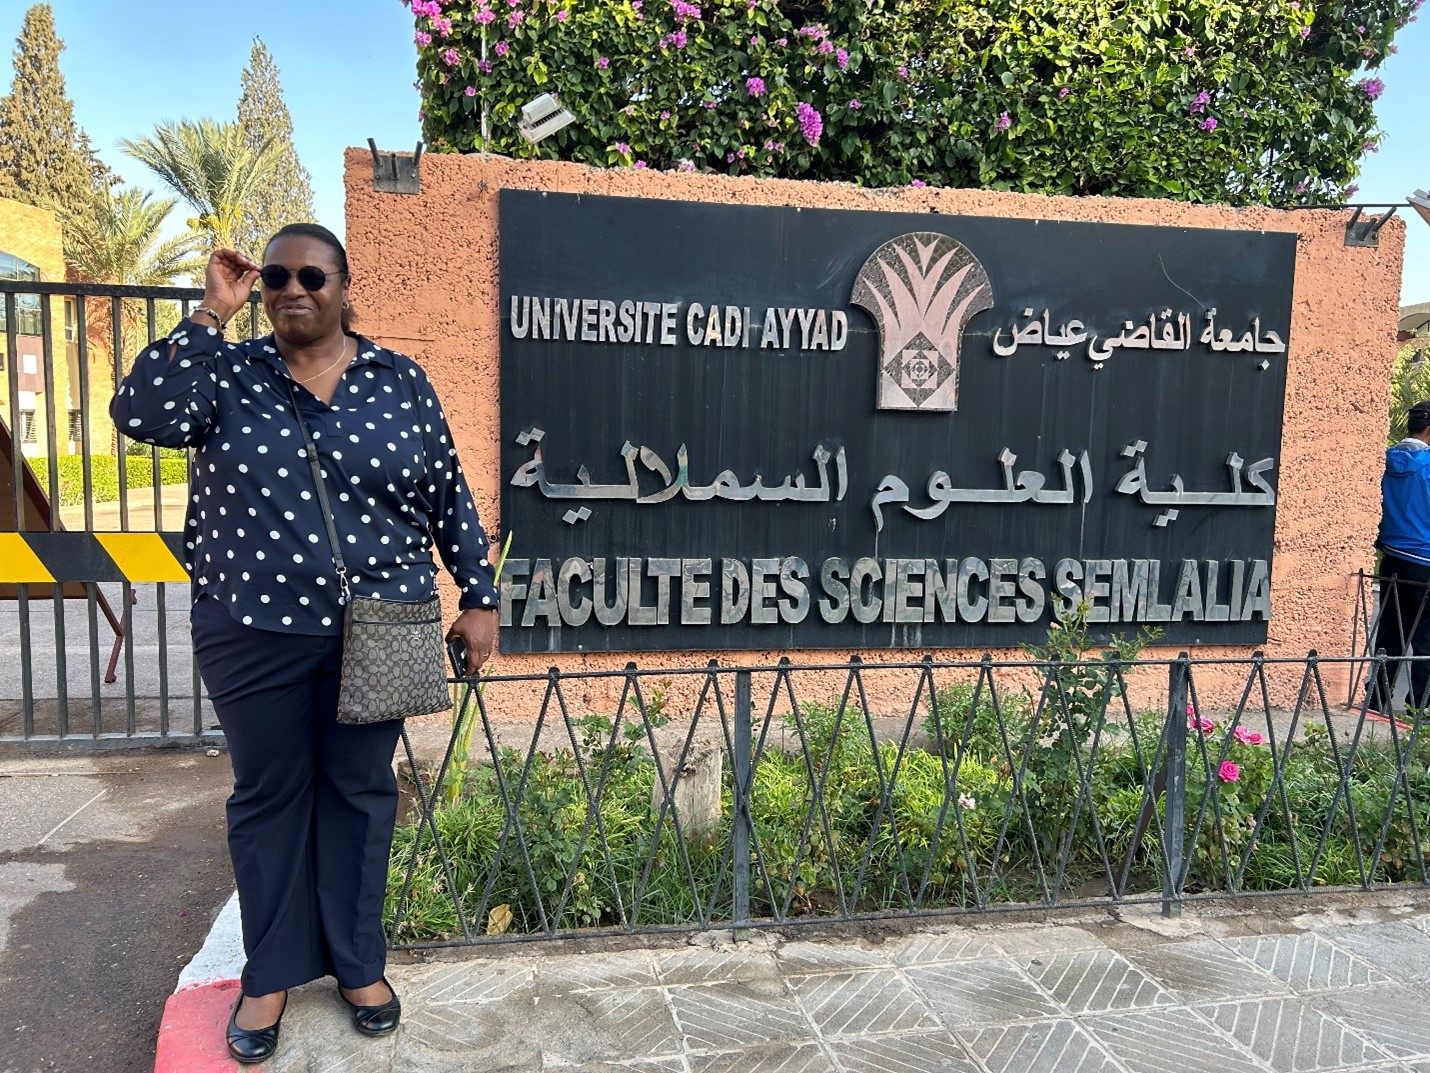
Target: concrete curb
191, 1032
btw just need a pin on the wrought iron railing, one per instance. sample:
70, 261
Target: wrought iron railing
86, 653
750, 796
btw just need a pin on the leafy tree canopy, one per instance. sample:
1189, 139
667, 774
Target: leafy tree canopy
1239, 101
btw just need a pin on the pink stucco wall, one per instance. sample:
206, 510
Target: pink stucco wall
425, 282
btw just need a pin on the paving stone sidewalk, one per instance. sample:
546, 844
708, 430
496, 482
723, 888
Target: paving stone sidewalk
1307, 994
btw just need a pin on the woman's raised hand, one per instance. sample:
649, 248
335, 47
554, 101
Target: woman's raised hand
228, 280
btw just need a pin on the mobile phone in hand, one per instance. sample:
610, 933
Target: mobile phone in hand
457, 653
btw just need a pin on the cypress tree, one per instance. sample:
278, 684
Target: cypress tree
45, 159
264, 120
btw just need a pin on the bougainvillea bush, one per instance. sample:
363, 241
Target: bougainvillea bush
1239, 101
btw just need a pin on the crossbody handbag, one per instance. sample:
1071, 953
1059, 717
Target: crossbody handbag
393, 662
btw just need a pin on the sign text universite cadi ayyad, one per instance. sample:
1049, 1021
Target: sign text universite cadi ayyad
769, 428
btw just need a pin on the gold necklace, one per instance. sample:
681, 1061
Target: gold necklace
327, 368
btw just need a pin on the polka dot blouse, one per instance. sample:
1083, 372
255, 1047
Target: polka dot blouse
254, 534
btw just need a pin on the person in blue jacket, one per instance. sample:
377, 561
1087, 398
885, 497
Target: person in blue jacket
311, 817
1403, 627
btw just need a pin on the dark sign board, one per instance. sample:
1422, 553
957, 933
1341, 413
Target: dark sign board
730, 427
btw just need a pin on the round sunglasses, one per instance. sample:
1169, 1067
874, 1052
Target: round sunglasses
310, 277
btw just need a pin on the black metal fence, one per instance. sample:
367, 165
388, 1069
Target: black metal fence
94, 647
647, 800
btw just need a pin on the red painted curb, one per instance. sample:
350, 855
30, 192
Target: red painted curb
191, 1034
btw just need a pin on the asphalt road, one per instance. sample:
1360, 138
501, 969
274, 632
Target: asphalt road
111, 872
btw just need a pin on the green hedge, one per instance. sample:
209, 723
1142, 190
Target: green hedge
104, 473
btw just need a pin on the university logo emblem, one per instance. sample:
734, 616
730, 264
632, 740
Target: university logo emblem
921, 289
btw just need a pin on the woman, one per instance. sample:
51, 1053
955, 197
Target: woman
311, 816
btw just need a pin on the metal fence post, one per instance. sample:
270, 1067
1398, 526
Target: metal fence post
1174, 825
744, 781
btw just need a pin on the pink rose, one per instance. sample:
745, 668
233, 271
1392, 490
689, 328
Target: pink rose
1247, 737
1228, 772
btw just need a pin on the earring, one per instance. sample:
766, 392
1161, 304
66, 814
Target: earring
346, 306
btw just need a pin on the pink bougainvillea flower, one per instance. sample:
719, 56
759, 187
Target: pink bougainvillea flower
502, 48
854, 105
422, 39
755, 86
825, 48
562, 15
470, 91
603, 62
641, 164
1208, 124
1063, 92
918, 182
841, 57
450, 57
1351, 190
485, 66
1371, 87
904, 72
622, 148
1247, 737
811, 123
664, 115
516, 17
484, 15
1228, 772
1004, 122
685, 11
1199, 102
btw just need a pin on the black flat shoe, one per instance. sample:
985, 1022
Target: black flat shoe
252, 1045
376, 1020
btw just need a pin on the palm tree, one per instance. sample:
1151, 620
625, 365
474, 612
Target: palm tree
210, 166
121, 241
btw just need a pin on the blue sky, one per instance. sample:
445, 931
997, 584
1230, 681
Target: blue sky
348, 66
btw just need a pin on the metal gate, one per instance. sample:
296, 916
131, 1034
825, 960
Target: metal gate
94, 642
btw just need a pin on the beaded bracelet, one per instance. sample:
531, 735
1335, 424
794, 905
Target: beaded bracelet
216, 318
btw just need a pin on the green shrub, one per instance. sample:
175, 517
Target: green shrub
1239, 101
104, 475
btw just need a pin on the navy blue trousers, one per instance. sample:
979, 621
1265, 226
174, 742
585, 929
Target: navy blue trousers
1404, 629
313, 805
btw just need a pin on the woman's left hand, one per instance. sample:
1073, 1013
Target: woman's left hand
477, 629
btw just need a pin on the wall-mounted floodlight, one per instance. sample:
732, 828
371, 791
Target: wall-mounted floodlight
542, 117
1420, 202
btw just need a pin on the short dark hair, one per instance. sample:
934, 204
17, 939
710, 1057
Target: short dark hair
1418, 419
327, 238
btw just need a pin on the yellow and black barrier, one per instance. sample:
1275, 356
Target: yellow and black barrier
47, 557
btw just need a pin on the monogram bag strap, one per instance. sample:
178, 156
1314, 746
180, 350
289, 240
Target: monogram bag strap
312, 453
